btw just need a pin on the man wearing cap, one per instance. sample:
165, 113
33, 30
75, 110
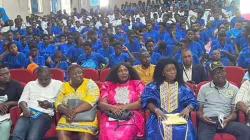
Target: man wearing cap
217, 103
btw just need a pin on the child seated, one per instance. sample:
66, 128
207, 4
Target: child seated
34, 57
58, 63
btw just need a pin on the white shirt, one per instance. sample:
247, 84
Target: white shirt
187, 74
33, 92
243, 94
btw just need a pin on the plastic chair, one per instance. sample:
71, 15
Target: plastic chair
90, 74
235, 74
21, 75
191, 86
104, 74
99, 84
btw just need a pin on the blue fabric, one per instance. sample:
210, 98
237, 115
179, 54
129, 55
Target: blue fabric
56, 30
233, 32
137, 23
243, 42
237, 39
15, 61
210, 32
246, 76
74, 52
24, 49
204, 37
167, 52
39, 60
114, 59
46, 51
134, 46
216, 23
5, 16
186, 97
72, 29
36, 31
201, 21
234, 20
154, 35
21, 31
178, 57
121, 35
182, 33
170, 40
106, 51
196, 49
155, 57
244, 58
85, 30
97, 58
1, 46
226, 47
63, 65
161, 35
96, 45
64, 48
125, 28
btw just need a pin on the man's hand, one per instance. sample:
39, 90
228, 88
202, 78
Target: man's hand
44, 104
207, 120
3, 108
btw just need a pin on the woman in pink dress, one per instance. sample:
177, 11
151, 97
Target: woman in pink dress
121, 91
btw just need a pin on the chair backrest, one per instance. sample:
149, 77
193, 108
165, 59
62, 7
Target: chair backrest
99, 84
235, 74
23, 84
90, 74
191, 86
21, 75
56, 73
103, 74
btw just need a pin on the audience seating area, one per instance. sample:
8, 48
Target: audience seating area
234, 75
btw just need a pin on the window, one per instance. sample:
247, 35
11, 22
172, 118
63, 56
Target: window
95, 2
104, 3
35, 6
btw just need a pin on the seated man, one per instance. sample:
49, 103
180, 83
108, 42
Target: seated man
10, 92
217, 107
145, 70
193, 73
37, 104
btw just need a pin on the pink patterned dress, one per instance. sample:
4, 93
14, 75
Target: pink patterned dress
120, 94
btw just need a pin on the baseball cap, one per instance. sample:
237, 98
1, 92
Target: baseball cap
214, 65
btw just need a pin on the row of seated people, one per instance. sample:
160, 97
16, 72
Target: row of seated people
124, 92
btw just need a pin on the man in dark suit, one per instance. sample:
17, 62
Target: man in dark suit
192, 73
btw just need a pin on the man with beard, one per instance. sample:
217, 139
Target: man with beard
10, 92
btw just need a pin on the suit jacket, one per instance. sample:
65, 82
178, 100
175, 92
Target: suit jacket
198, 73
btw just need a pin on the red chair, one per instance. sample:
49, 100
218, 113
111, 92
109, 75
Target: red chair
21, 75
235, 74
22, 84
191, 86
99, 84
90, 74
56, 73
103, 75
15, 114
199, 86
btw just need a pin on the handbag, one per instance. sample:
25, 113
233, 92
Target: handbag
86, 116
125, 115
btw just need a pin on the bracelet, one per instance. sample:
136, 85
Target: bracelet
156, 109
190, 107
247, 110
52, 105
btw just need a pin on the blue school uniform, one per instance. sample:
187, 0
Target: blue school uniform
15, 61
63, 65
210, 32
201, 21
106, 51
24, 49
243, 42
137, 23
21, 31
96, 45
155, 58
85, 30
74, 52
56, 30
166, 53
39, 60
36, 31
216, 23
134, 46
92, 61
4, 15
116, 59
233, 32
226, 47
153, 34
178, 57
234, 20
237, 39
161, 35
204, 37
125, 28
1, 46
170, 40
196, 49
72, 29
244, 58
182, 33
121, 35
46, 51
64, 48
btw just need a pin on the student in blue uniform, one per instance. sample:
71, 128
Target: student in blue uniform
133, 44
151, 33
58, 62
64, 48
35, 30
209, 29
163, 49
237, 17
34, 57
70, 26
227, 50
172, 37
24, 47
4, 51
45, 48
122, 54
9, 38
91, 59
19, 29
96, 43
216, 56
124, 26
15, 59
182, 31
196, 27
244, 56
75, 51
243, 43
120, 35
154, 56
106, 49
217, 21
162, 30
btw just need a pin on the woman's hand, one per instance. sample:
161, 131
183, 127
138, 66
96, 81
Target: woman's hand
185, 113
116, 110
70, 114
160, 115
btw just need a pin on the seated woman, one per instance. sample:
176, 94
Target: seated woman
168, 94
121, 91
15, 59
78, 88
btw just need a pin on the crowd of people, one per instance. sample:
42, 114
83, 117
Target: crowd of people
153, 49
